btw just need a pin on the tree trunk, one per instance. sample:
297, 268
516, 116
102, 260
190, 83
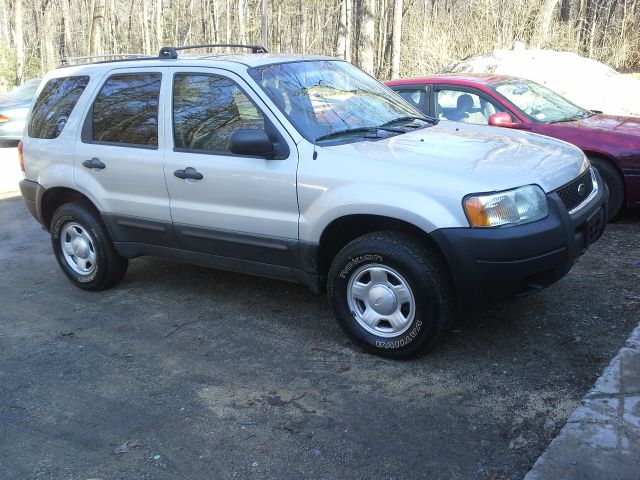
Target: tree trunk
159, 25
19, 41
5, 29
95, 31
565, 10
216, 22
47, 43
66, 48
146, 36
241, 22
349, 32
303, 27
396, 38
341, 45
227, 32
367, 33
265, 23
545, 17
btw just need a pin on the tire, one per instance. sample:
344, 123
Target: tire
613, 182
84, 249
413, 287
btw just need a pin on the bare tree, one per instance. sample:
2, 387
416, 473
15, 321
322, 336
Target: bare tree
97, 23
159, 25
303, 27
19, 41
341, 45
385, 37
544, 23
367, 33
47, 46
241, 21
396, 38
146, 35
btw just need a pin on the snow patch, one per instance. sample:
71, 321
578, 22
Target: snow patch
586, 82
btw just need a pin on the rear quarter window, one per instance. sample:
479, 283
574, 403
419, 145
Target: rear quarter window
54, 105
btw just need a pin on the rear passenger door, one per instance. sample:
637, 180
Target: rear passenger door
242, 207
118, 157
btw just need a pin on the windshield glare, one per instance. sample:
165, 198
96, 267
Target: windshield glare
538, 102
327, 96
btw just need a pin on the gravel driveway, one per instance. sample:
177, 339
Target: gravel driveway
187, 373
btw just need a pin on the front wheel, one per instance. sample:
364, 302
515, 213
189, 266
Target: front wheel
391, 294
84, 249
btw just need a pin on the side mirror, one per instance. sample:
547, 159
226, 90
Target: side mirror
251, 142
501, 119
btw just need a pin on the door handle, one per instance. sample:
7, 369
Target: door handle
93, 163
188, 172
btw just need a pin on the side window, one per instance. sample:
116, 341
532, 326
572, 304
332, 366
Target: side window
464, 107
126, 110
414, 97
54, 105
207, 109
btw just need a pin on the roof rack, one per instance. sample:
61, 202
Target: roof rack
172, 52
67, 61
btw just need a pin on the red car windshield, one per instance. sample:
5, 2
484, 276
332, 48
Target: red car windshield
539, 103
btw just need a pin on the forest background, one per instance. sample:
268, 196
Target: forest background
388, 38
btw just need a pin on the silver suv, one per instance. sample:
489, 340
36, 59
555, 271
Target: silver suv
304, 169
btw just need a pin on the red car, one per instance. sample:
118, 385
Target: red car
611, 143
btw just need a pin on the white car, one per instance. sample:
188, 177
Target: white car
305, 169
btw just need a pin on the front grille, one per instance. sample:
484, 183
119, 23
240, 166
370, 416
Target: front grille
576, 191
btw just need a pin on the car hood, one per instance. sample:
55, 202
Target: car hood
627, 125
480, 157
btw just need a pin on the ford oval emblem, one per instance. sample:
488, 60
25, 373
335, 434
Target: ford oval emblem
582, 189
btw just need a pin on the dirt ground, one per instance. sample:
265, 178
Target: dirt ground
187, 373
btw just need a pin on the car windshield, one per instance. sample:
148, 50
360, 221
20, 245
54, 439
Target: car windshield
538, 102
26, 91
328, 99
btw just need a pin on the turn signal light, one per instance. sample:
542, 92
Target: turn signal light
478, 215
21, 156
4, 119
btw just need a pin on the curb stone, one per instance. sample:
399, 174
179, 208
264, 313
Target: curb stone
601, 439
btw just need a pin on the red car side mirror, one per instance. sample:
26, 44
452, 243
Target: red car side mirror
502, 119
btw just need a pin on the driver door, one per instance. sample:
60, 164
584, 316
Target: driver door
242, 207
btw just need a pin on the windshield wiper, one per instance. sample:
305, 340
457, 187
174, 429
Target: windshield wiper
346, 131
578, 116
407, 118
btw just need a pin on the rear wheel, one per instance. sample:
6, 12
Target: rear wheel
390, 294
84, 249
614, 183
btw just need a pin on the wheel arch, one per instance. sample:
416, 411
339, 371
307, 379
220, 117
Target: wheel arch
52, 198
611, 161
344, 229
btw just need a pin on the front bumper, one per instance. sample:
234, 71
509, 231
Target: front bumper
493, 264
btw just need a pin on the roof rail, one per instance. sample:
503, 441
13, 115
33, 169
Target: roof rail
68, 61
172, 52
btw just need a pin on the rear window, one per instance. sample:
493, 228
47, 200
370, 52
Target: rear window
54, 105
126, 110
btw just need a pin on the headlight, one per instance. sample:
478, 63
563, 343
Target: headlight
511, 207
